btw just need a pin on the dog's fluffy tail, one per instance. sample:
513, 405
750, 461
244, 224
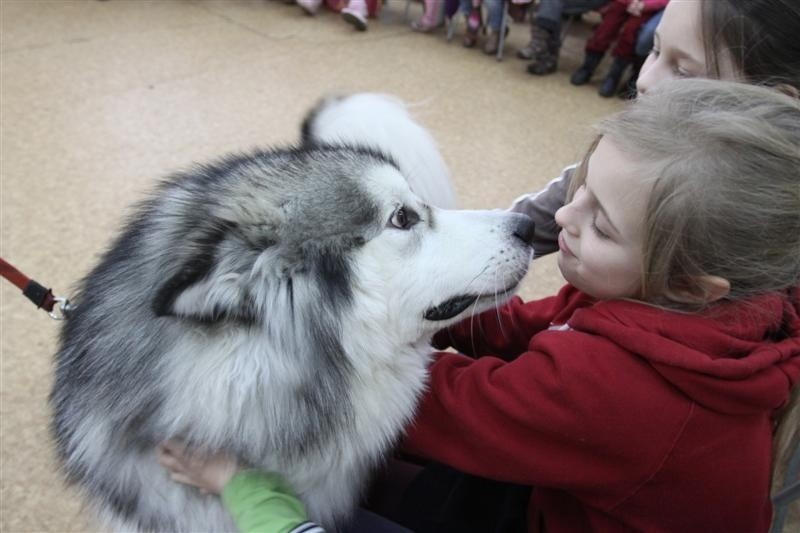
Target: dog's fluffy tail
383, 122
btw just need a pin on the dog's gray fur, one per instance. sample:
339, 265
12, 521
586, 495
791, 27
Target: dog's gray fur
262, 304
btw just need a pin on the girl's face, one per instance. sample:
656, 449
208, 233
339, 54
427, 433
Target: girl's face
678, 49
601, 238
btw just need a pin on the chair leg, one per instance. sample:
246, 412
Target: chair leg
503, 28
451, 27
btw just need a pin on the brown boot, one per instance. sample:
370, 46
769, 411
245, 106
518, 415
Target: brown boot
492, 43
544, 64
540, 40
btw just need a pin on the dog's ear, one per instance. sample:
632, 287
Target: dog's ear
204, 289
209, 299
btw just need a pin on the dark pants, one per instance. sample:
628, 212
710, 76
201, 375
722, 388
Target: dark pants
368, 522
617, 25
438, 499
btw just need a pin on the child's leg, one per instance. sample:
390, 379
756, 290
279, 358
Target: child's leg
430, 17
494, 23
628, 33
624, 54
495, 15
614, 17
472, 11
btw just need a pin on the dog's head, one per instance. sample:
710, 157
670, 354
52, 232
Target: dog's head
323, 237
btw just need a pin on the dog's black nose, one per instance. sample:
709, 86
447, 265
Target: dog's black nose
524, 229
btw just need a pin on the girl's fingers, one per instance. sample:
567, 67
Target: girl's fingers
169, 462
182, 478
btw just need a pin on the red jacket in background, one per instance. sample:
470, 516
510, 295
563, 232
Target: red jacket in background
622, 416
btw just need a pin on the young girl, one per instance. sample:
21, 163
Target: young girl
644, 395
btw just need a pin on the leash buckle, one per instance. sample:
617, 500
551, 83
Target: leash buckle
62, 309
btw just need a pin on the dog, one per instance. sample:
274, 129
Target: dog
279, 305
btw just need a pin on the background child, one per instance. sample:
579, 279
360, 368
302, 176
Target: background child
622, 20
644, 395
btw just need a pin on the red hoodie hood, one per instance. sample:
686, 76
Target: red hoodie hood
735, 358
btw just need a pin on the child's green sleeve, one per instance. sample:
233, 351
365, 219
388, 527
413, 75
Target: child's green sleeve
264, 503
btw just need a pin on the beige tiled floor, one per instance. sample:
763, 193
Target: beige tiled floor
99, 99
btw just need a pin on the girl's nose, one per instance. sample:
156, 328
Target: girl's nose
564, 217
647, 74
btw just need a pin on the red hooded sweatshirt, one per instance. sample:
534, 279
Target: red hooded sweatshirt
621, 415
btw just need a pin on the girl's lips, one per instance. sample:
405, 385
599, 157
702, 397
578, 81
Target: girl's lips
562, 245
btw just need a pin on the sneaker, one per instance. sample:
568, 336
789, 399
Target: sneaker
424, 26
355, 18
310, 6
356, 14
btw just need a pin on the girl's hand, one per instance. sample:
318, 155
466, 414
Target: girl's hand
636, 7
209, 473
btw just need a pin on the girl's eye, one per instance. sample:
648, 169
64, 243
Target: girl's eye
402, 218
600, 233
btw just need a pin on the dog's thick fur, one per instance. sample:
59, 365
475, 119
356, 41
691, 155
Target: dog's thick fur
278, 305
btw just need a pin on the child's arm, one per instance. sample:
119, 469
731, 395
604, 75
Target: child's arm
542, 207
257, 501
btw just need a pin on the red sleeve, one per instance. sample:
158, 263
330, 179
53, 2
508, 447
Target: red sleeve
579, 420
507, 331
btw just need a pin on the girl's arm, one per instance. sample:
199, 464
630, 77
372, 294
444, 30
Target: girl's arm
542, 207
561, 421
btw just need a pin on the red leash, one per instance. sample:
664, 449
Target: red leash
41, 296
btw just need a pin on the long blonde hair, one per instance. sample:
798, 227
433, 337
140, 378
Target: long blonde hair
724, 159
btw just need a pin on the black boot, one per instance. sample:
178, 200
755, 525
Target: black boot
584, 73
611, 81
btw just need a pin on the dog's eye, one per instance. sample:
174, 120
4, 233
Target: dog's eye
399, 219
403, 218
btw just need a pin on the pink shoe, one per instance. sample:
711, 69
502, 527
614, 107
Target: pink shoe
356, 14
310, 6
424, 26
430, 18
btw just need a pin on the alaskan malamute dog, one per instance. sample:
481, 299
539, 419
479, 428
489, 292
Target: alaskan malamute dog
278, 305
